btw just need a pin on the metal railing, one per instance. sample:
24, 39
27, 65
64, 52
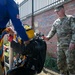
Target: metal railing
38, 6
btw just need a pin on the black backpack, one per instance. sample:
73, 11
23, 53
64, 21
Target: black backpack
41, 55
35, 52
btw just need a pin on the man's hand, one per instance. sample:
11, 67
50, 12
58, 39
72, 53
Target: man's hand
26, 42
45, 38
71, 46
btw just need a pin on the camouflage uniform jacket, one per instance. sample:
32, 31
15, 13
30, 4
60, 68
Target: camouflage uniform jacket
65, 30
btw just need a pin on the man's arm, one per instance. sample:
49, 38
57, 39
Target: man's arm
51, 33
14, 16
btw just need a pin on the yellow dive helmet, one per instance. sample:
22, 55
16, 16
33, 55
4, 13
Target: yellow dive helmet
29, 31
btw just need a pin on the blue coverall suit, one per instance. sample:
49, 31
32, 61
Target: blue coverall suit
9, 10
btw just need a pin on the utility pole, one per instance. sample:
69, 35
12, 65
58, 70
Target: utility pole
33, 14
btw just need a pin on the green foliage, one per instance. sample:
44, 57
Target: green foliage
50, 63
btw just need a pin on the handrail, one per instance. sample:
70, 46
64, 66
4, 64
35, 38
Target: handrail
7, 64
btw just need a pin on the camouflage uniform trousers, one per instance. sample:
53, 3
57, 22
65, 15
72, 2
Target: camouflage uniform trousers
66, 61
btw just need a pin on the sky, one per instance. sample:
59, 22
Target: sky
18, 1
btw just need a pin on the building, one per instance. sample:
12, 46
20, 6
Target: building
42, 15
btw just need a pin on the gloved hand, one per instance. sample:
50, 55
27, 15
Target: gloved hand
26, 42
10, 38
10, 30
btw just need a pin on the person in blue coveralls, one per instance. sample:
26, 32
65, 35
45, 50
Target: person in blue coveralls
9, 10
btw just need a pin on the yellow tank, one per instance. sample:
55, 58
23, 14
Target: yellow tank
29, 31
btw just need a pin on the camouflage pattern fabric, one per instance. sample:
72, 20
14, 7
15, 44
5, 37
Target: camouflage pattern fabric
65, 29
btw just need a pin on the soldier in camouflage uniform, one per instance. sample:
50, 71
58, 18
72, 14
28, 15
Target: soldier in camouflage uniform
64, 26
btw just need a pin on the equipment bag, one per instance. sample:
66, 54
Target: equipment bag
35, 52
